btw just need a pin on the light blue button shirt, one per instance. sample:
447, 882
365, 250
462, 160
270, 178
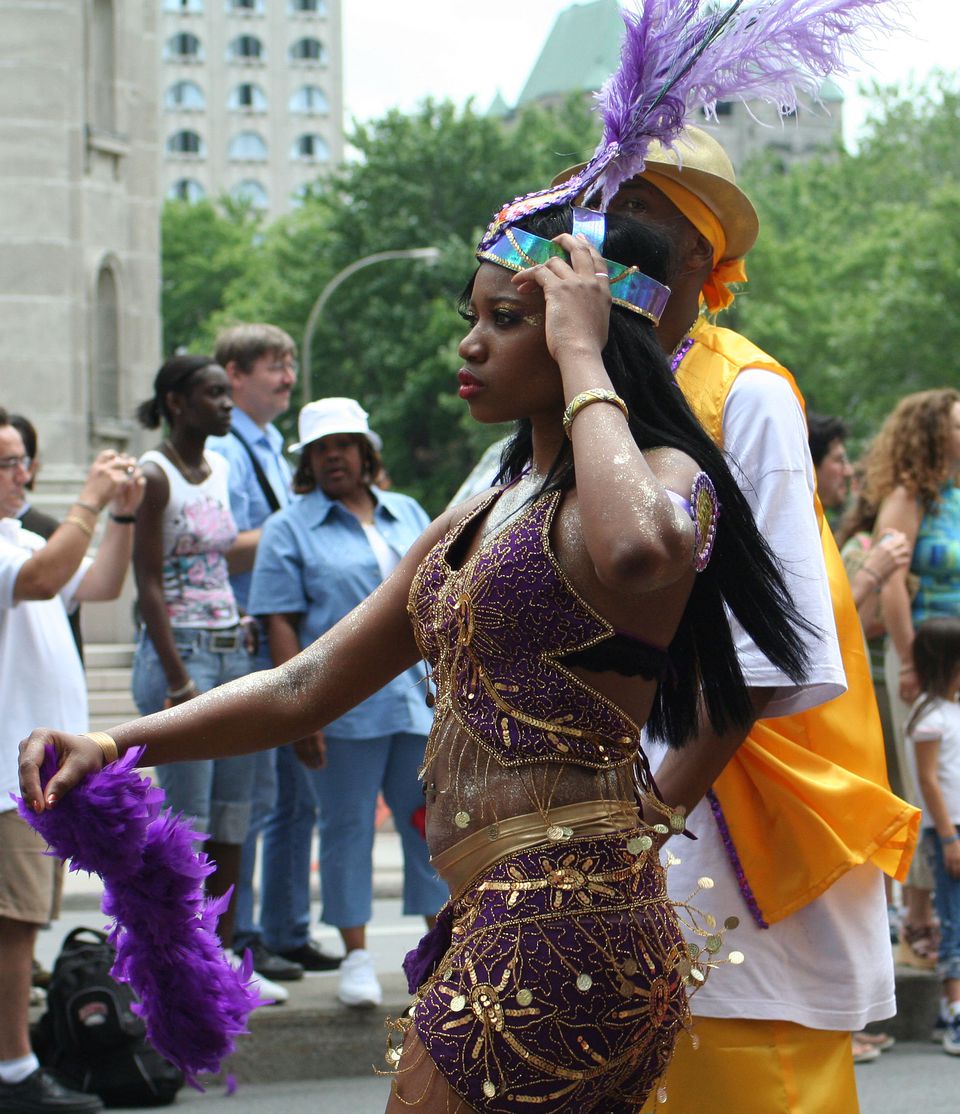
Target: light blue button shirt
247, 501
314, 559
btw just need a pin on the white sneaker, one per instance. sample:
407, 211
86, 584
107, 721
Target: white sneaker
358, 980
273, 993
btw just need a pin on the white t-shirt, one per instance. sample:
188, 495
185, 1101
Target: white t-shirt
41, 678
829, 965
940, 721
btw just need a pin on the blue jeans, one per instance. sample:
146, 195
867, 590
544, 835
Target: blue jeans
214, 795
946, 900
344, 795
247, 930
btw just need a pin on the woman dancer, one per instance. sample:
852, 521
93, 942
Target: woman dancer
559, 614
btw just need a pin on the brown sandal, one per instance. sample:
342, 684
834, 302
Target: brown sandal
918, 947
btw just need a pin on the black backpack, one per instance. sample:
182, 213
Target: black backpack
89, 1036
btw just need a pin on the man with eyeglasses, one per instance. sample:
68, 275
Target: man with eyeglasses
260, 361
41, 681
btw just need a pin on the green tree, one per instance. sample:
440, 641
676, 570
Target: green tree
206, 247
854, 281
389, 335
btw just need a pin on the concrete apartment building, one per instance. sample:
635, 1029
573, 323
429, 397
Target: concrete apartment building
251, 97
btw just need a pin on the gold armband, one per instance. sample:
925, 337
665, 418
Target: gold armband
585, 398
106, 743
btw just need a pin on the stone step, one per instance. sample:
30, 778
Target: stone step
108, 679
118, 704
108, 655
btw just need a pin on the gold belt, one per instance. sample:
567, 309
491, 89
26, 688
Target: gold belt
469, 857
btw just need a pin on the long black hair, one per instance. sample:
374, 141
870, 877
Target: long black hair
177, 375
742, 574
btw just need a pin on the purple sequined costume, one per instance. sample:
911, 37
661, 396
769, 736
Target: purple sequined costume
561, 983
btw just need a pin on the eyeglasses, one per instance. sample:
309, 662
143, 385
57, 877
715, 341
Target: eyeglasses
12, 463
284, 365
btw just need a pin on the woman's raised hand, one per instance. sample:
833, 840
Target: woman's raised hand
109, 474
77, 758
577, 296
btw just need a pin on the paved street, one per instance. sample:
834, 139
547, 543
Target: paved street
911, 1078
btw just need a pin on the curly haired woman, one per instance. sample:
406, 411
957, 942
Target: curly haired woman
912, 478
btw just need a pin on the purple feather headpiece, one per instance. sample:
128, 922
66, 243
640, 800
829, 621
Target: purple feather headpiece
680, 55
194, 1003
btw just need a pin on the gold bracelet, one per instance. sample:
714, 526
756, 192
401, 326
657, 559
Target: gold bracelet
585, 398
87, 506
73, 520
106, 743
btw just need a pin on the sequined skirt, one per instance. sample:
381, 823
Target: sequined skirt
563, 985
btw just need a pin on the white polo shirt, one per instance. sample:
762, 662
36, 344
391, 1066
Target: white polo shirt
41, 677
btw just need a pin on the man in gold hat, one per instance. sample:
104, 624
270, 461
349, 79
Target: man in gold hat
797, 826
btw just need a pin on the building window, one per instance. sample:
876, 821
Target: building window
247, 147
183, 47
185, 96
186, 189
186, 142
247, 97
194, 6
307, 50
310, 148
255, 6
724, 108
102, 67
252, 192
106, 347
309, 99
247, 48
317, 6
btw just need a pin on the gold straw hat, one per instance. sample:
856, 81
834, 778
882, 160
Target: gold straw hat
702, 166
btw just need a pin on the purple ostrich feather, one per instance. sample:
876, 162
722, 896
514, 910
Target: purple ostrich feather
114, 825
680, 55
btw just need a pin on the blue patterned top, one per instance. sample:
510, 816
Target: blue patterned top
936, 559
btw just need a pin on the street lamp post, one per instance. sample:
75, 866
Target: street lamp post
429, 255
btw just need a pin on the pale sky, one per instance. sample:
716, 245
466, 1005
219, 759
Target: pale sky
396, 53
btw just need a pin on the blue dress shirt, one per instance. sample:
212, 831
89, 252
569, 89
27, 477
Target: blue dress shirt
314, 559
247, 501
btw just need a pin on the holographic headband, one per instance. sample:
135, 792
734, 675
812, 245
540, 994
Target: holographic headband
516, 250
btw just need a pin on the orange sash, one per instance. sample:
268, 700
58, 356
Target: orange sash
806, 797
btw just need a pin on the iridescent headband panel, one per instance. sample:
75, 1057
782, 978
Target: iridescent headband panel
517, 250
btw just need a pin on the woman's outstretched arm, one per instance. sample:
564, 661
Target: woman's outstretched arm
364, 651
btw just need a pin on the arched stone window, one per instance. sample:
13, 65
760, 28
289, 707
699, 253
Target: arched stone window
247, 147
246, 48
310, 148
186, 142
194, 7
251, 191
307, 50
103, 66
309, 99
105, 367
185, 96
255, 7
186, 189
183, 47
319, 7
247, 97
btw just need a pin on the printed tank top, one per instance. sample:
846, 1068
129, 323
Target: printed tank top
496, 631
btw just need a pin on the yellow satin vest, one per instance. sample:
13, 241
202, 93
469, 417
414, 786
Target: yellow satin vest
805, 797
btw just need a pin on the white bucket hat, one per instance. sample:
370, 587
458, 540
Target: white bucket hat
333, 415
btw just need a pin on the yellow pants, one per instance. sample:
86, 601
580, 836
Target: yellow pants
759, 1067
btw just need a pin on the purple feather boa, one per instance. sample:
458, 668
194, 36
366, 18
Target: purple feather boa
114, 825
